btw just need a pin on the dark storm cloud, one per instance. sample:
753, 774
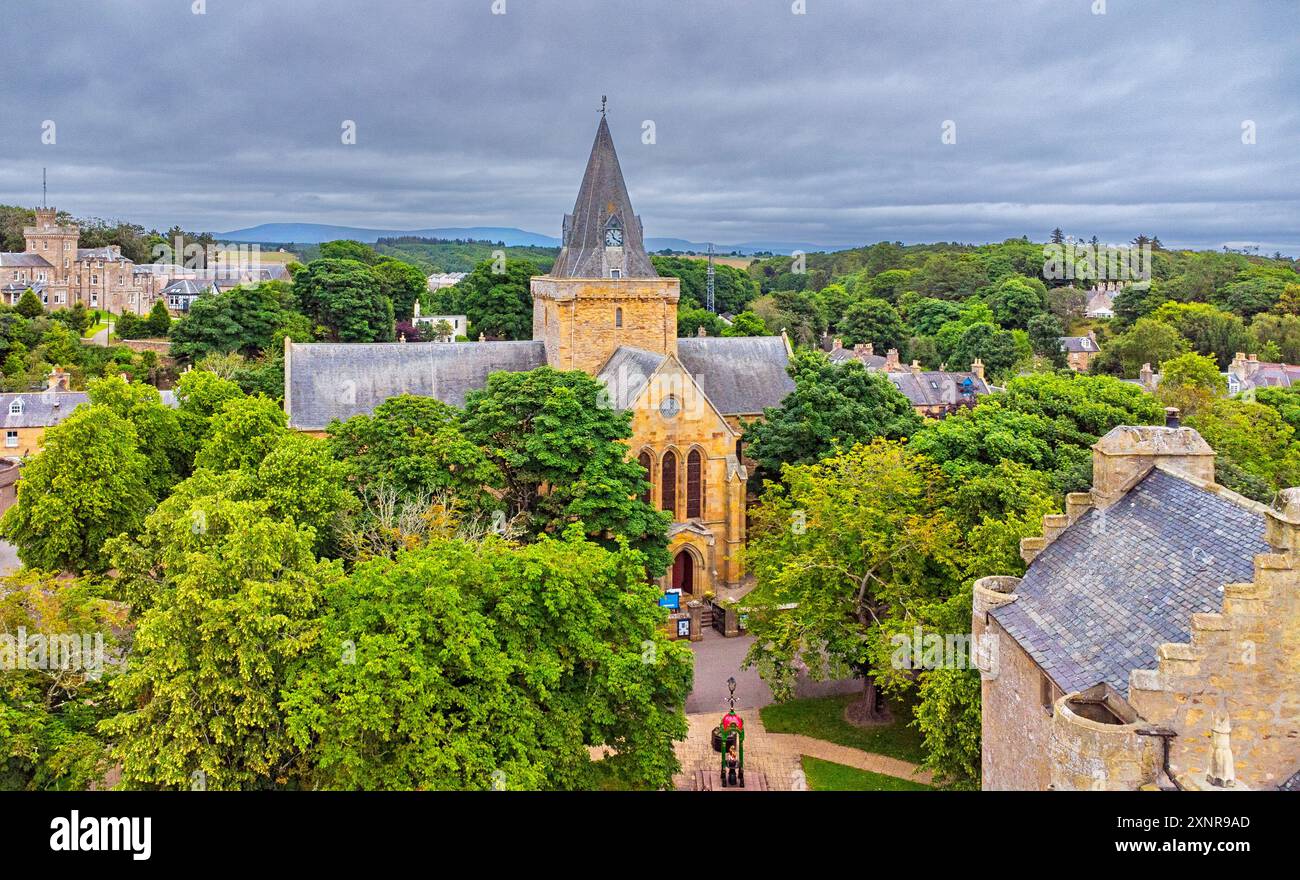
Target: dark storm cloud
822, 127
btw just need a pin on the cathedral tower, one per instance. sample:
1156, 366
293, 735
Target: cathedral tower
602, 291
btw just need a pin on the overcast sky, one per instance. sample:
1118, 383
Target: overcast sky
824, 127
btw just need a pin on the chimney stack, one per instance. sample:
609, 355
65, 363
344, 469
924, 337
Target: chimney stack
1128, 453
891, 361
977, 367
837, 344
916, 366
700, 331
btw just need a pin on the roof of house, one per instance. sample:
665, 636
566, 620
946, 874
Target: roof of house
1079, 343
328, 381
842, 354
186, 287
43, 409
601, 197
1292, 783
937, 387
1097, 602
24, 260
109, 252
1100, 301
742, 375
1271, 375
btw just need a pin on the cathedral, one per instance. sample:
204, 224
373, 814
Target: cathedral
604, 310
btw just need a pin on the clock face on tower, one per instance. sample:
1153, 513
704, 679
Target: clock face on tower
613, 237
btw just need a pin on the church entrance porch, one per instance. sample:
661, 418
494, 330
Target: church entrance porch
684, 573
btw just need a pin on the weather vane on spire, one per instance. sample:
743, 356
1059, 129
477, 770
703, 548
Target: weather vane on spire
602, 105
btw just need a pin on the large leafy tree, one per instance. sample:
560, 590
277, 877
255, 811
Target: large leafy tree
1211, 332
241, 434
157, 427
402, 283
845, 544
245, 319
487, 665
498, 304
832, 405
235, 605
559, 450
874, 321
1016, 300
733, 289
89, 483
414, 446
346, 298
1147, 342
48, 717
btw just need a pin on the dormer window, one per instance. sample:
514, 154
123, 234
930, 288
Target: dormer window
616, 273
16, 407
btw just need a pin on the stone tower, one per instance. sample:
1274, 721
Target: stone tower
57, 244
602, 291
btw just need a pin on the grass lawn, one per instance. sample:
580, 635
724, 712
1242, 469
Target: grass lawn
828, 776
823, 718
102, 325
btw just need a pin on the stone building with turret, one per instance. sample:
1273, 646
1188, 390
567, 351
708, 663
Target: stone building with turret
62, 274
1154, 639
602, 309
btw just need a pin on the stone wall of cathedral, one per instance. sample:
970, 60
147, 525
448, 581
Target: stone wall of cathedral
583, 320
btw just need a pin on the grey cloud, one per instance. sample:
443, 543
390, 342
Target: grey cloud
823, 127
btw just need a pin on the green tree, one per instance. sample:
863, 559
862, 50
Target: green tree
245, 319
1016, 300
415, 446
157, 427
345, 298
1045, 334
29, 305
1147, 342
402, 283
1190, 381
236, 607
831, 406
1211, 332
746, 324
559, 449
89, 483
689, 322
874, 321
473, 670
160, 321
872, 537
347, 249
498, 305
241, 434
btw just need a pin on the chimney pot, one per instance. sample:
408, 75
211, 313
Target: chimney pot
837, 344
1171, 417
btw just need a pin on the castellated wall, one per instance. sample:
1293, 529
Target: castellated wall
577, 318
1245, 660
1086, 754
1016, 726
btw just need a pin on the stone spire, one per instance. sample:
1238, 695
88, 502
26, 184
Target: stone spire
602, 237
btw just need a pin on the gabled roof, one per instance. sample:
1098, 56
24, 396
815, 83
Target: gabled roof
626, 373
24, 260
327, 381
44, 409
186, 287
742, 375
1097, 602
937, 387
602, 197
1079, 343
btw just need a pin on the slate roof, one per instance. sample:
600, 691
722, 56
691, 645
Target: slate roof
328, 381
109, 252
844, 354
1079, 343
43, 409
186, 287
602, 196
626, 372
1292, 784
24, 260
742, 375
1097, 602
938, 387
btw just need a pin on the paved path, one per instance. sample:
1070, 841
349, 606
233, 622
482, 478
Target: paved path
100, 338
776, 755
718, 658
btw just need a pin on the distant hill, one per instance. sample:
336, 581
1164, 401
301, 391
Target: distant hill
315, 233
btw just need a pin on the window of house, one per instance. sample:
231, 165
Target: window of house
615, 273
618, 317
16, 407
668, 479
694, 485
646, 464
11, 439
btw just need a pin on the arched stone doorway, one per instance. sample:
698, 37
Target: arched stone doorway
684, 572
